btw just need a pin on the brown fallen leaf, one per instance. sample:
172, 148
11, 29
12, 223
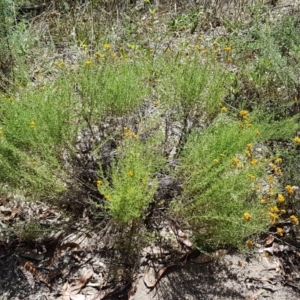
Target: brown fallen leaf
30, 267
269, 240
81, 282
61, 248
151, 278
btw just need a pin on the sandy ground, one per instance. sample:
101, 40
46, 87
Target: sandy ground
232, 277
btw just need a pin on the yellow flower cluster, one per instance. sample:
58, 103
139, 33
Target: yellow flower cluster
129, 133
247, 216
294, 220
297, 140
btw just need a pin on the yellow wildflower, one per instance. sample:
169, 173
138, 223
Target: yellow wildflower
99, 183
274, 217
235, 160
10, 99
106, 197
280, 231
88, 63
282, 211
274, 209
271, 191
224, 109
155, 103
216, 161
278, 160
278, 171
257, 132
244, 113
222, 155
253, 162
199, 48
215, 44
251, 176
106, 46
229, 59
227, 49
249, 146
102, 55
289, 189
297, 140
280, 198
270, 179
250, 244
32, 124
42, 88
113, 55
60, 64
247, 216
294, 220
248, 153
130, 174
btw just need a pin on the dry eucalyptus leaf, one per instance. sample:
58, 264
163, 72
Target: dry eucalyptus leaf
269, 240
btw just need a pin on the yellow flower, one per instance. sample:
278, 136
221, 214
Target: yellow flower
249, 244
251, 176
278, 171
155, 103
235, 160
10, 99
99, 183
278, 160
106, 46
227, 49
274, 209
249, 146
240, 166
224, 109
42, 88
280, 198
60, 64
244, 113
280, 231
270, 179
297, 140
32, 124
294, 220
271, 191
88, 63
106, 197
253, 162
247, 216
289, 189
199, 48
282, 211
274, 217
216, 161
229, 59
222, 155
102, 55
130, 174
113, 55
215, 44
248, 153
257, 132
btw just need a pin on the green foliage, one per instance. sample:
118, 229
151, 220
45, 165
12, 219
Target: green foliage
222, 174
130, 185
